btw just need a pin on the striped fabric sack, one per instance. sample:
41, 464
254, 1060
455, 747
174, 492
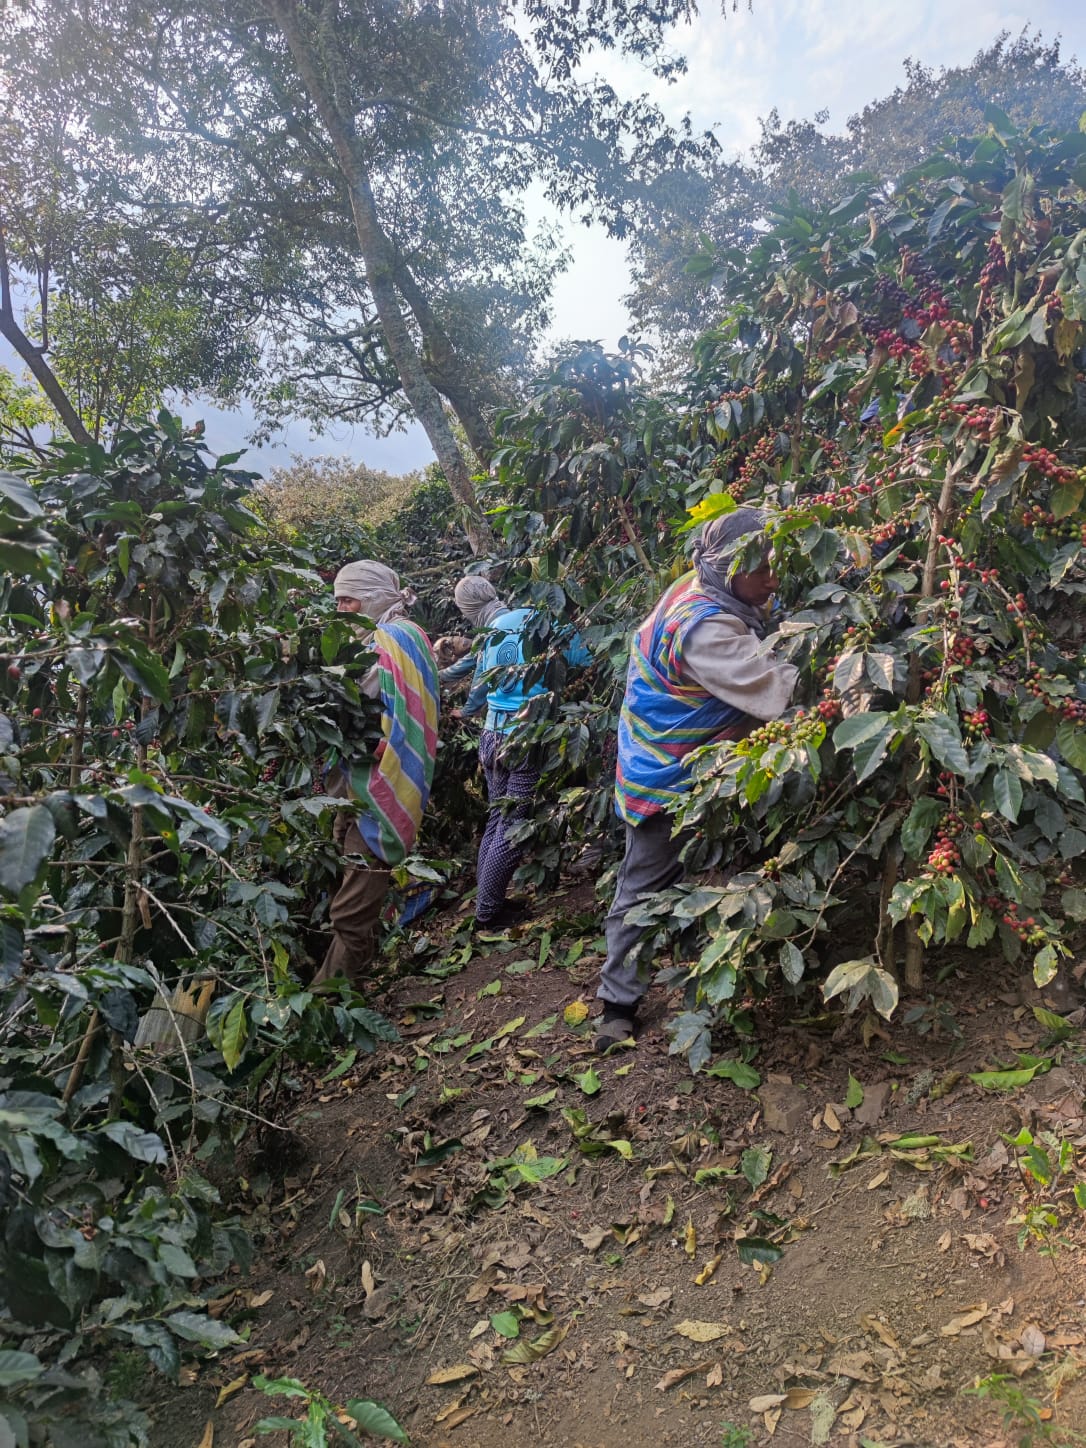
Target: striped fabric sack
394, 785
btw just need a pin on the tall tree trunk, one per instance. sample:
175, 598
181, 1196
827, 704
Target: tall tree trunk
443, 367
380, 263
43, 374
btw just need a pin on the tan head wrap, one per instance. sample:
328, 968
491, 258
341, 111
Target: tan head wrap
377, 589
477, 599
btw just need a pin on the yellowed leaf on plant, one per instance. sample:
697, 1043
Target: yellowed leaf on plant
208, 1438
575, 1013
690, 1238
679, 1375
707, 1271
701, 1331
964, 1319
455, 1374
232, 1387
765, 1402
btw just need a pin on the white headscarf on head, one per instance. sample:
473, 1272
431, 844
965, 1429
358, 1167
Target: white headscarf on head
377, 589
477, 599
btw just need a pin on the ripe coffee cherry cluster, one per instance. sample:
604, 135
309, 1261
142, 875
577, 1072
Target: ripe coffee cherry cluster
1060, 705
942, 788
994, 270
985, 422
978, 725
762, 454
962, 650
932, 307
829, 707
945, 856
742, 394
270, 770
1027, 930
1048, 465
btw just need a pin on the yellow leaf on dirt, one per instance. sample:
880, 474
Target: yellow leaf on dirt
530, 1352
232, 1387
261, 1299
832, 1120
944, 1242
690, 1238
456, 1374
316, 1275
765, 1401
679, 1375
796, 1398
575, 1013
715, 1376
208, 1439
707, 1271
702, 1331
771, 1419
964, 1319
878, 1179
509, 1027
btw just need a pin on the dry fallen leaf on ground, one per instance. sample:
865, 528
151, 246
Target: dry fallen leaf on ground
701, 1331
208, 1438
765, 1401
659, 1298
455, 1374
965, 1319
678, 1375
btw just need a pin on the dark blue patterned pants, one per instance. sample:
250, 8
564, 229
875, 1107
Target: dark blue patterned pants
497, 857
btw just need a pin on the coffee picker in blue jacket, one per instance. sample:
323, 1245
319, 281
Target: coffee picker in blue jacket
500, 690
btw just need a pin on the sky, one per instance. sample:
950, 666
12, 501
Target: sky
797, 56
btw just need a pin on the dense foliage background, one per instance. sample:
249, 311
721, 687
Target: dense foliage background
893, 366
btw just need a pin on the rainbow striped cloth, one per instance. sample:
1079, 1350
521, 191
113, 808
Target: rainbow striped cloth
394, 784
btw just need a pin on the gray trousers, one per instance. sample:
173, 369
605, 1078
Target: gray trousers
651, 863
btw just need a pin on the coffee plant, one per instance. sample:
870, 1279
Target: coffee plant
172, 679
899, 380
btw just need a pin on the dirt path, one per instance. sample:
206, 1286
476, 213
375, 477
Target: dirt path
696, 1263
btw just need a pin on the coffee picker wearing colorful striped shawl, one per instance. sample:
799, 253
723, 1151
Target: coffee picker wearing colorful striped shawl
698, 675
392, 785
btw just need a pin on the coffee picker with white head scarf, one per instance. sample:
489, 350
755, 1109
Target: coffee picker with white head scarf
392, 785
698, 675
498, 687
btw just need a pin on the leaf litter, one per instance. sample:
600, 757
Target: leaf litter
487, 1214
